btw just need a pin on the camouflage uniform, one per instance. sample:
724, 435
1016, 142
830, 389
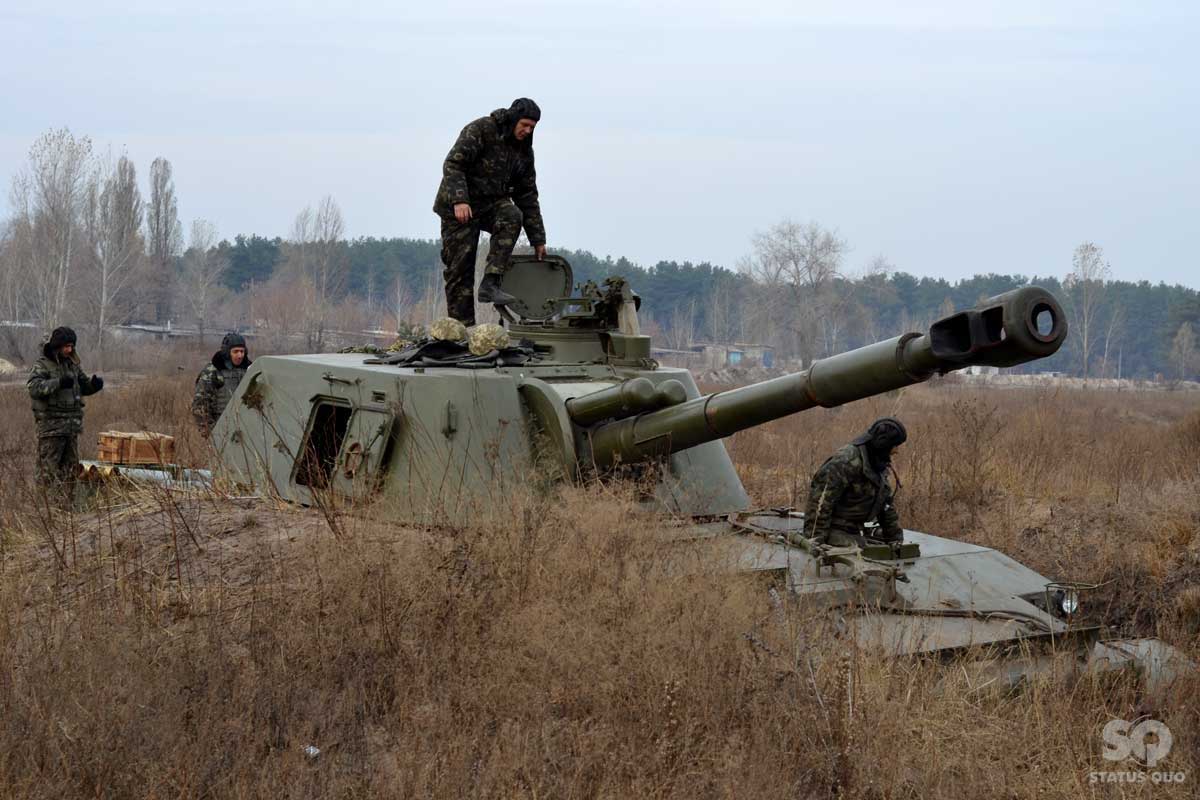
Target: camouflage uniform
217, 382
494, 173
58, 410
846, 492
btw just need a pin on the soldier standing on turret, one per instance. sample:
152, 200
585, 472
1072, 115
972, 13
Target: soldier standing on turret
488, 183
219, 379
851, 489
57, 385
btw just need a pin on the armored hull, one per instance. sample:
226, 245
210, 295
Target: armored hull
437, 442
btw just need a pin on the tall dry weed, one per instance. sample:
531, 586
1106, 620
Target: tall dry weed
563, 644
560, 647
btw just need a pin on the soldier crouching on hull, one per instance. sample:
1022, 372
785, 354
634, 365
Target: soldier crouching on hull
57, 386
217, 382
851, 489
488, 183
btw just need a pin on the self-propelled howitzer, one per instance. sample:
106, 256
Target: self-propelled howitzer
435, 431
576, 394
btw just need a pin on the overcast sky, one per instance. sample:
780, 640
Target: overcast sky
950, 137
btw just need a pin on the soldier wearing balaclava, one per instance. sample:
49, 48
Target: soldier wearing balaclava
488, 184
57, 385
851, 489
219, 379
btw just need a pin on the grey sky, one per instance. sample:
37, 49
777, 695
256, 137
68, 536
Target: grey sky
951, 137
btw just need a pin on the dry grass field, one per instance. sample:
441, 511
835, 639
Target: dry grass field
174, 646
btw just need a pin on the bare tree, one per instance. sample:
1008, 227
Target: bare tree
319, 252
14, 283
317, 261
432, 304
47, 198
1086, 285
164, 236
1183, 351
275, 316
370, 291
14, 261
799, 265
681, 326
331, 261
1112, 335
834, 316
401, 302
755, 315
112, 223
879, 265
722, 315
203, 268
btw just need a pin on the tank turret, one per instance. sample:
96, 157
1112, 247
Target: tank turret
576, 393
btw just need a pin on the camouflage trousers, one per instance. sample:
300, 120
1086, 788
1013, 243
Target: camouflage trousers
503, 220
847, 535
57, 461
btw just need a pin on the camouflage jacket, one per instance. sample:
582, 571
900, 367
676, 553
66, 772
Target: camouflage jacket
846, 492
215, 386
487, 164
58, 411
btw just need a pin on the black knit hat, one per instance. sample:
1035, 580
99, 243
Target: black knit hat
523, 108
884, 434
231, 341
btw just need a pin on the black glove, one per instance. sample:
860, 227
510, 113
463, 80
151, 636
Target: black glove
66, 381
97, 383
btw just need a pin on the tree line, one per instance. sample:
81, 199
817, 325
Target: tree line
85, 244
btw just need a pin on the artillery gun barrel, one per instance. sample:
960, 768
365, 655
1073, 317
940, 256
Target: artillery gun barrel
1013, 328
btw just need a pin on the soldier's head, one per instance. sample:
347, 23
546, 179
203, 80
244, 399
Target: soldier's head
884, 436
523, 115
61, 343
234, 346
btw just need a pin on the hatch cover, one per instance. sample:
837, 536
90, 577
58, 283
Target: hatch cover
536, 285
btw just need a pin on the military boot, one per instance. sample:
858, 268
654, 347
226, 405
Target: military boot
490, 291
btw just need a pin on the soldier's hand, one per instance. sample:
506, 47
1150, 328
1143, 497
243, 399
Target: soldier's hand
540, 252
66, 381
97, 383
462, 213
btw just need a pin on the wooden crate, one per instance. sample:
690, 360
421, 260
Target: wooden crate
142, 447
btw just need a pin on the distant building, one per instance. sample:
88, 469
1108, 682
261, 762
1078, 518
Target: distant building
714, 355
147, 332
976, 369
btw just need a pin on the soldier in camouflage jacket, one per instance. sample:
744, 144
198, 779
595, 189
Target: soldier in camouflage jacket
219, 379
57, 385
488, 183
851, 489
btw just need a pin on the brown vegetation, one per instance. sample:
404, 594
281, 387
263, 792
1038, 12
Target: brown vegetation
192, 647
